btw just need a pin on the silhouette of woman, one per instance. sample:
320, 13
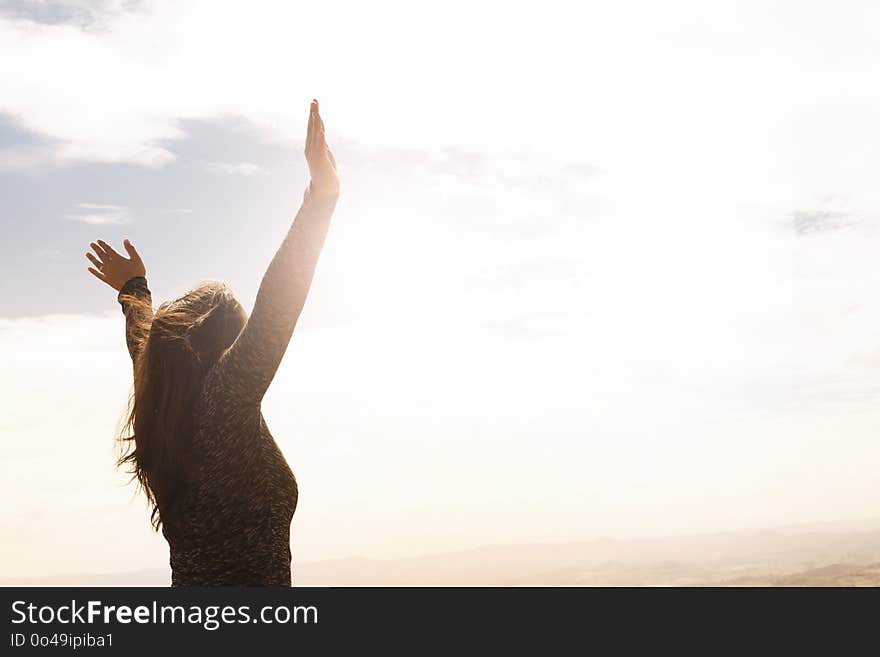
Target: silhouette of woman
195, 438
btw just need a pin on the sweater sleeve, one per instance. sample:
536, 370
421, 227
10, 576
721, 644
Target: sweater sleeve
136, 302
246, 369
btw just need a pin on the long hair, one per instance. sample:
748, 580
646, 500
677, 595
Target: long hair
176, 348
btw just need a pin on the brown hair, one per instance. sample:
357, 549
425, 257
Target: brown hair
178, 346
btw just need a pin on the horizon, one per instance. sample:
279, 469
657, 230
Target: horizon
836, 554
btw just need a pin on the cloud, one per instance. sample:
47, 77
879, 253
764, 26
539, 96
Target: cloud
49, 253
814, 221
754, 119
240, 169
84, 13
98, 213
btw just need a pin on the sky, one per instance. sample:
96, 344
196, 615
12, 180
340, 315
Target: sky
605, 270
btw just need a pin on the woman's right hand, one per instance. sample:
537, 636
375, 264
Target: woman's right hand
114, 268
322, 166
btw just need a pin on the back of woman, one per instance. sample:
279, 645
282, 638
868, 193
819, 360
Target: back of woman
195, 438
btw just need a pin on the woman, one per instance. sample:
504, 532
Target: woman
195, 438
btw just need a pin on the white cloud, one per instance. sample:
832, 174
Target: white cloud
86, 13
754, 116
99, 213
240, 169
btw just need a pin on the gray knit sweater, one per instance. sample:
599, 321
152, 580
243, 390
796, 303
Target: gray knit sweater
234, 525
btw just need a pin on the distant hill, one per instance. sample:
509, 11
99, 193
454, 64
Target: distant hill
806, 555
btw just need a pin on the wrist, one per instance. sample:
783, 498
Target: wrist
134, 284
320, 195
322, 192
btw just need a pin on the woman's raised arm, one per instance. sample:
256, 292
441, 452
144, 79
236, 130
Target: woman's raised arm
247, 368
128, 277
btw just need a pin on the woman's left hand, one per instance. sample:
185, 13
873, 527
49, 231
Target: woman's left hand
114, 268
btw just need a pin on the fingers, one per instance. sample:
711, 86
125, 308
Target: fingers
310, 131
101, 253
315, 136
111, 252
320, 136
94, 260
132, 252
104, 251
97, 274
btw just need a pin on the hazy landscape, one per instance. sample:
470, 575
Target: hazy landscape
803, 555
